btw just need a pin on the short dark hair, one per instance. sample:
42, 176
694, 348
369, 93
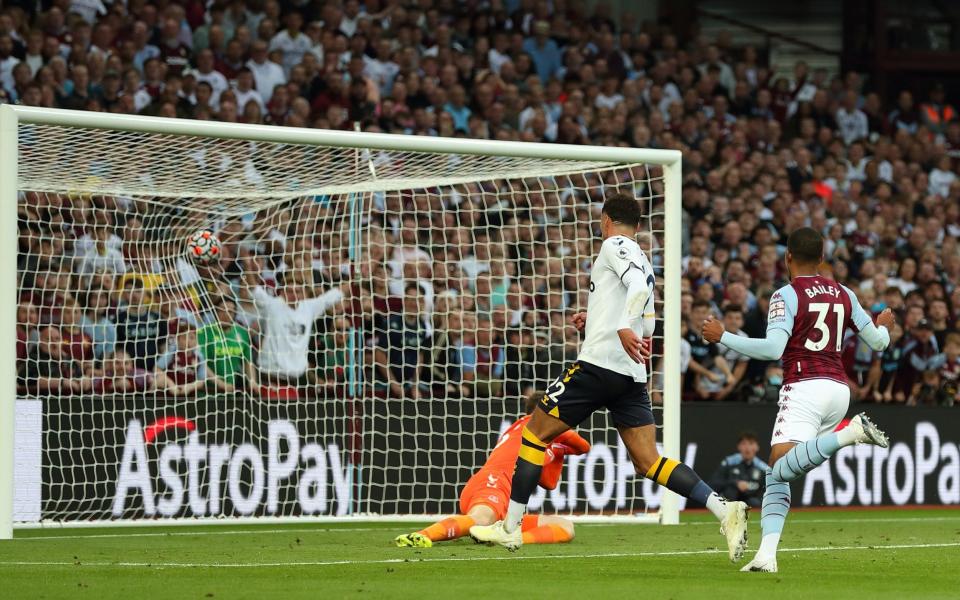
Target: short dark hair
733, 308
623, 208
748, 436
806, 245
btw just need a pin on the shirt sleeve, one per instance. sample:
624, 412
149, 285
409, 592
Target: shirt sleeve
768, 348
878, 338
622, 254
261, 297
859, 316
321, 303
783, 310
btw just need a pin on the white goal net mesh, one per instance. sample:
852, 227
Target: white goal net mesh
373, 323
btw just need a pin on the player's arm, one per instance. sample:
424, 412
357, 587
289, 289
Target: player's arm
637, 321
783, 309
876, 336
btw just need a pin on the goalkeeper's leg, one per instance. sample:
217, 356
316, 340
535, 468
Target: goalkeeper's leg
546, 529
450, 528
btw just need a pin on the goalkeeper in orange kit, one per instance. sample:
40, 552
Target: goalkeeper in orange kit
485, 497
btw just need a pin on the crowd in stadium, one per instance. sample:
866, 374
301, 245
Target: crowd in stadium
763, 155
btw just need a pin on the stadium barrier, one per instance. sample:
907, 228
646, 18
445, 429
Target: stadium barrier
162, 458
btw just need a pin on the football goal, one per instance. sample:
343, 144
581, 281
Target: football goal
367, 315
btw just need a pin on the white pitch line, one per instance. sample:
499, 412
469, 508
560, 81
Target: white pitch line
799, 520
388, 561
98, 536
153, 534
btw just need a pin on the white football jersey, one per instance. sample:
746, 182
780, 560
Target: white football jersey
605, 309
285, 344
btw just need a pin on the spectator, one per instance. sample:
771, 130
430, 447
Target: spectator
76, 343
267, 74
403, 342
226, 348
181, 370
28, 332
736, 363
98, 323
291, 42
741, 475
7, 63
141, 330
890, 361
950, 371
173, 51
851, 120
543, 50
905, 117
702, 354
50, 369
205, 73
287, 324
920, 355
120, 375
936, 113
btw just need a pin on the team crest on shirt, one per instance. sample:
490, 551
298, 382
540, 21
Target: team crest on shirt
622, 253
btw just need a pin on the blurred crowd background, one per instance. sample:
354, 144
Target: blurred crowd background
466, 305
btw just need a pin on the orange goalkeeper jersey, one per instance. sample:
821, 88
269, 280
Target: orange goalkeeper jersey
504, 454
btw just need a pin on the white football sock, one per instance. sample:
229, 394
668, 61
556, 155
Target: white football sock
717, 505
515, 512
768, 546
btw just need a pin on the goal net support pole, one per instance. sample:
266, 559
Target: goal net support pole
13, 118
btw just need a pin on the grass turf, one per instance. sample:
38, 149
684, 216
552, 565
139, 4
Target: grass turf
835, 555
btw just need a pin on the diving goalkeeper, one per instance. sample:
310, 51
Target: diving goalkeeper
485, 498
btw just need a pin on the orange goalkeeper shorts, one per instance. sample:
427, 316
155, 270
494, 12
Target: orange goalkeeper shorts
488, 487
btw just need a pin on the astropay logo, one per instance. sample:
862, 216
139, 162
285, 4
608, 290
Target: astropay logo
252, 479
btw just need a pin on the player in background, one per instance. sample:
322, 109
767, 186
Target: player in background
805, 326
484, 498
610, 372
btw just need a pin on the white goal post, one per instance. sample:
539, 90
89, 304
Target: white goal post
330, 188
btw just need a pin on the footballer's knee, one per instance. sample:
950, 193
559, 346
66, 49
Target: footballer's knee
482, 515
545, 427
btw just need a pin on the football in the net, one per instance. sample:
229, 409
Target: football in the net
203, 247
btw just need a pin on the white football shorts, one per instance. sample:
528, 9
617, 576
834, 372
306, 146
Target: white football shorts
809, 409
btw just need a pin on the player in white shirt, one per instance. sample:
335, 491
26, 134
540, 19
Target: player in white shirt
287, 321
610, 372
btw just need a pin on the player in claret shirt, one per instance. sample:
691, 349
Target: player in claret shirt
484, 498
805, 326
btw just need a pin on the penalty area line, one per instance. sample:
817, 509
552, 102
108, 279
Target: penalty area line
387, 561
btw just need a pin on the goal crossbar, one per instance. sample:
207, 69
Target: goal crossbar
12, 117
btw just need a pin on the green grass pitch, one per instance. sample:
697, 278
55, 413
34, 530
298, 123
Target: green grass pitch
857, 554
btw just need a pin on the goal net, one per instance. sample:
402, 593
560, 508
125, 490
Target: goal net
377, 312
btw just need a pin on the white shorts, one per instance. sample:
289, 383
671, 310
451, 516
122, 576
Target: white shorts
809, 409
